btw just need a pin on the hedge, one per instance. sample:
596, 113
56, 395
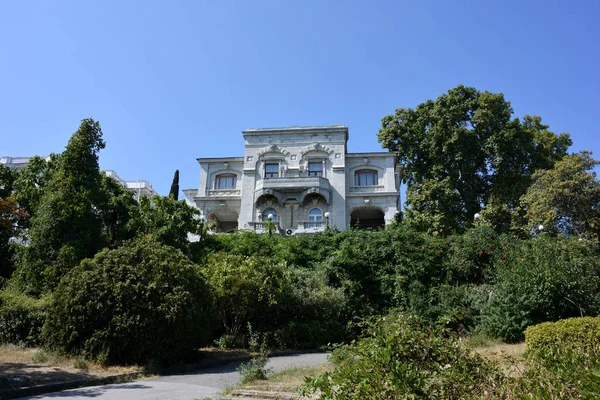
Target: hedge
550, 339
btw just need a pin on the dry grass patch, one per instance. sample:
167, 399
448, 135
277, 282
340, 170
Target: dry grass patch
23, 367
288, 380
509, 356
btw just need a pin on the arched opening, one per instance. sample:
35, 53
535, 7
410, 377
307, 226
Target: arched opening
226, 221
367, 218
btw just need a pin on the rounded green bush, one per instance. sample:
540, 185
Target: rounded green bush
21, 318
141, 303
549, 339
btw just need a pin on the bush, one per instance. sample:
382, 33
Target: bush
313, 314
549, 340
21, 318
141, 303
247, 290
255, 369
399, 358
543, 279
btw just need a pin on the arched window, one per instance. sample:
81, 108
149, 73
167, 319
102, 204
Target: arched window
366, 177
225, 181
315, 214
266, 213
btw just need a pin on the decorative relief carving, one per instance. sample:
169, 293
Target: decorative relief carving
225, 192
316, 147
272, 149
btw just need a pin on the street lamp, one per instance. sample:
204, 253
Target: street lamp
327, 218
270, 224
202, 222
477, 215
541, 228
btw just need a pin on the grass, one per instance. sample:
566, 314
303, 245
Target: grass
22, 367
508, 355
288, 380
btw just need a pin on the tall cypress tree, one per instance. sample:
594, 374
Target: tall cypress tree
66, 226
174, 192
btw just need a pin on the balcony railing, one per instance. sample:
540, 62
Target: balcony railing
294, 183
261, 227
313, 224
224, 192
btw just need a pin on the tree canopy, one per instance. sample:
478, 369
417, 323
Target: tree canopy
463, 150
566, 198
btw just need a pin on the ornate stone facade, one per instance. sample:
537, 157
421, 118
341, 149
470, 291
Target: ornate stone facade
301, 176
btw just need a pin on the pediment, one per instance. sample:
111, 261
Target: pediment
273, 149
316, 147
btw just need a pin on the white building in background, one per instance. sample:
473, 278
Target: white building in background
17, 162
303, 177
139, 187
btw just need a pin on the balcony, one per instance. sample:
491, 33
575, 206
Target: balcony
300, 186
311, 226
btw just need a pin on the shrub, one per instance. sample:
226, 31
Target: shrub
543, 279
21, 318
247, 290
255, 369
399, 358
141, 303
312, 313
549, 340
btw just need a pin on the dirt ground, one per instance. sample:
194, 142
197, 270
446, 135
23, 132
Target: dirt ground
509, 356
21, 367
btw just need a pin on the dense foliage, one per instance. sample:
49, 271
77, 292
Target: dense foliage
400, 358
462, 151
141, 303
21, 318
549, 339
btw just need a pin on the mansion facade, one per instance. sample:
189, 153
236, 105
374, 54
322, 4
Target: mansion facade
300, 178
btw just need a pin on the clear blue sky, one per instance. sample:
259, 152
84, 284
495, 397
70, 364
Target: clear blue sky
171, 81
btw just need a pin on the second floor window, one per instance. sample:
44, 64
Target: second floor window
366, 177
315, 214
315, 169
271, 171
225, 181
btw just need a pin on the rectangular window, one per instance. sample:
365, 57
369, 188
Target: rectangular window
225, 181
315, 169
366, 178
271, 171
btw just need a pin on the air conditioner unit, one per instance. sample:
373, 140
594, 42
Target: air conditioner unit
289, 232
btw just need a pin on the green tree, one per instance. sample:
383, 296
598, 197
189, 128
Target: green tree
141, 303
118, 211
566, 198
11, 219
66, 226
169, 221
32, 181
174, 192
463, 148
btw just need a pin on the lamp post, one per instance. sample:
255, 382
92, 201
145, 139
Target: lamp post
202, 222
327, 219
270, 224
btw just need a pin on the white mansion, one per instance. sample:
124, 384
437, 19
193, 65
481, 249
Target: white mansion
300, 177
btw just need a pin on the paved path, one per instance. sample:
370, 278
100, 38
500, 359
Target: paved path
194, 385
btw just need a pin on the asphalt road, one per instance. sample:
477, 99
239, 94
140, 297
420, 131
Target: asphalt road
189, 386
